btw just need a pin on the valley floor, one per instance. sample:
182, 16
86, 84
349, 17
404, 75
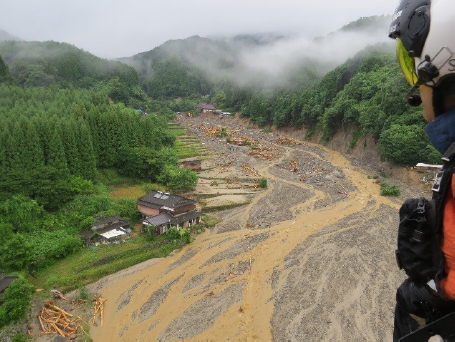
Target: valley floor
311, 257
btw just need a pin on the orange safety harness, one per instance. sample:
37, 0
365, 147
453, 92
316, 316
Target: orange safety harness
447, 284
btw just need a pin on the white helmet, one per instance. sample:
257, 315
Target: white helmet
424, 30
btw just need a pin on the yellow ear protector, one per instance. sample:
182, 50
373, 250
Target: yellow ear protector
426, 72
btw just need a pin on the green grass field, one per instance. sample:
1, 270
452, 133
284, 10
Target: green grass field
93, 263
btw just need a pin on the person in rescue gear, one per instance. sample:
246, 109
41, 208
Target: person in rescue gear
424, 32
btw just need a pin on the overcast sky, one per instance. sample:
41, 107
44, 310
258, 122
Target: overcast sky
119, 28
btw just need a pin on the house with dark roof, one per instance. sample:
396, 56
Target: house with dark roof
206, 108
162, 222
157, 202
162, 210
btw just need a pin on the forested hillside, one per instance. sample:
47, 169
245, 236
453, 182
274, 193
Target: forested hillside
34, 64
365, 92
68, 130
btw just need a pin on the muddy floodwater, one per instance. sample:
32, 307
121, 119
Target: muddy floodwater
309, 258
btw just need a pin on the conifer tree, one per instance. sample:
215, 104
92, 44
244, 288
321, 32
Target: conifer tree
3, 148
56, 156
5, 75
68, 129
86, 153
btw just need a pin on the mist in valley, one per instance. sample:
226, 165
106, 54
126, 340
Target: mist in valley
274, 60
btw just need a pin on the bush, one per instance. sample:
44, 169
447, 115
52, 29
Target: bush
263, 183
178, 179
407, 145
16, 254
48, 247
211, 221
389, 190
179, 234
16, 301
21, 337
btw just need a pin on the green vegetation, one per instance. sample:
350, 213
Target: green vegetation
5, 75
47, 63
60, 152
90, 265
211, 221
16, 301
263, 183
389, 190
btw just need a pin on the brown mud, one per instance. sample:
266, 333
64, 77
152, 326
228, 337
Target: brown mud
311, 257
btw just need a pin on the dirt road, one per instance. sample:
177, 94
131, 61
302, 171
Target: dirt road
309, 258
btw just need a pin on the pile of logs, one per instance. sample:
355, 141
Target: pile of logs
210, 131
216, 131
55, 320
98, 309
262, 152
222, 168
250, 171
287, 141
293, 165
238, 141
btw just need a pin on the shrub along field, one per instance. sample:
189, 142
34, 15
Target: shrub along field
91, 264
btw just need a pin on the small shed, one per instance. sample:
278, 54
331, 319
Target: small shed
206, 108
194, 165
112, 228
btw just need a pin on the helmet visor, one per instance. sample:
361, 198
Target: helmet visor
406, 63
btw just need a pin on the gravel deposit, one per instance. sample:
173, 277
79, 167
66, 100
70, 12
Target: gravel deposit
309, 258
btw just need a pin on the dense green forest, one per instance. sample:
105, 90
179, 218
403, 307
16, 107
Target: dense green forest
68, 123
52, 144
59, 145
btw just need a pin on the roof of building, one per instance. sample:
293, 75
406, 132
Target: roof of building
111, 233
207, 106
166, 218
158, 199
159, 220
188, 216
110, 223
192, 162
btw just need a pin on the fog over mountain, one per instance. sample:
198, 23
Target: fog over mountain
117, 28
268, 58
6, 36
